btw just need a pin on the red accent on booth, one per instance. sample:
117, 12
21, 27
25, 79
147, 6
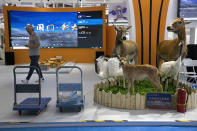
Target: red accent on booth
181, 100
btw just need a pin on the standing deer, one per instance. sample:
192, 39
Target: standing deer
123, 47
133, 72
168, 50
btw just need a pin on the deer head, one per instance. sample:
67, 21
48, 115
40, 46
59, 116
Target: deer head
177, 25
121, 32
122, 60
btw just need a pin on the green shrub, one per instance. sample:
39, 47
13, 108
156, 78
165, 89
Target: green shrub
141, 87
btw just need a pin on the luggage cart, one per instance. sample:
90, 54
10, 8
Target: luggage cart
76, 98
29, 104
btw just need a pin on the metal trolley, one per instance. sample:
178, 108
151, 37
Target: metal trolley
29, 104
76, 99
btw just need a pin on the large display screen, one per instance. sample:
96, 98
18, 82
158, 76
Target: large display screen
57, 29
188, 9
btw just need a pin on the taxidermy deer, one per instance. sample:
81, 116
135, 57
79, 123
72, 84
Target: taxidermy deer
123, 47
168, 50
133, 72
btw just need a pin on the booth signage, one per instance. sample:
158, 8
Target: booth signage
158, 100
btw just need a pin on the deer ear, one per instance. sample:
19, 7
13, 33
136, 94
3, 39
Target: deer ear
187, 22
129, 27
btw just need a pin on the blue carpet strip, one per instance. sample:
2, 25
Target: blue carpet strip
113, 123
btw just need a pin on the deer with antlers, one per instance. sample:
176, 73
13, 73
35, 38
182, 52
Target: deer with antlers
168, 50
123, 47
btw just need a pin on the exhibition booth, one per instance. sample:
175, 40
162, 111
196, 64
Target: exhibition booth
111, 65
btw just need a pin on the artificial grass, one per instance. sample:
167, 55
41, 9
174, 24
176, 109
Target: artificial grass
141, 87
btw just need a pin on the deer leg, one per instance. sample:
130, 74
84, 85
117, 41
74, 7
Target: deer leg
177, 82
156, 83
119, 81
166, 88
164, 83
153, 81
124, 85
131, 86
109, 82
161, 88
159, 84
184, 53
116, 80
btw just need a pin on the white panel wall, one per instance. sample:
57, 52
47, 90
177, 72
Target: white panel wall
131, 20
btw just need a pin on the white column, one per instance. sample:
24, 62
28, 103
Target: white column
171, 15
131, 20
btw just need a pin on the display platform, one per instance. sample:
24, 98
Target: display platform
106, 94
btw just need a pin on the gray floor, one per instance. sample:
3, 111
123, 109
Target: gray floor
91, 111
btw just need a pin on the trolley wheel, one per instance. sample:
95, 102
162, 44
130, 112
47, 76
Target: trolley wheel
61, 109
38, 113
20, 113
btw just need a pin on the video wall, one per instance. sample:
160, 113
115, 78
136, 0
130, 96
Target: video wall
188, 9
82, 29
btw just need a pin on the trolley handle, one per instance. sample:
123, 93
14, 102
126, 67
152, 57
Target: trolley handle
14, 70
57, 71
16, 67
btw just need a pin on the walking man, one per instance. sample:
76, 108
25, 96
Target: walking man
34, 53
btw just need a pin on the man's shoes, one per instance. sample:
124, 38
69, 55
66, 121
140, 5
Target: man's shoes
25, 81
41, 80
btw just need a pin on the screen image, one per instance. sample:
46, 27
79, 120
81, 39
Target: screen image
188, 9
57, 29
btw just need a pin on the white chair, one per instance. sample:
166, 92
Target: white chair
189, 76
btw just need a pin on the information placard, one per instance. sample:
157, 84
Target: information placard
158, 100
